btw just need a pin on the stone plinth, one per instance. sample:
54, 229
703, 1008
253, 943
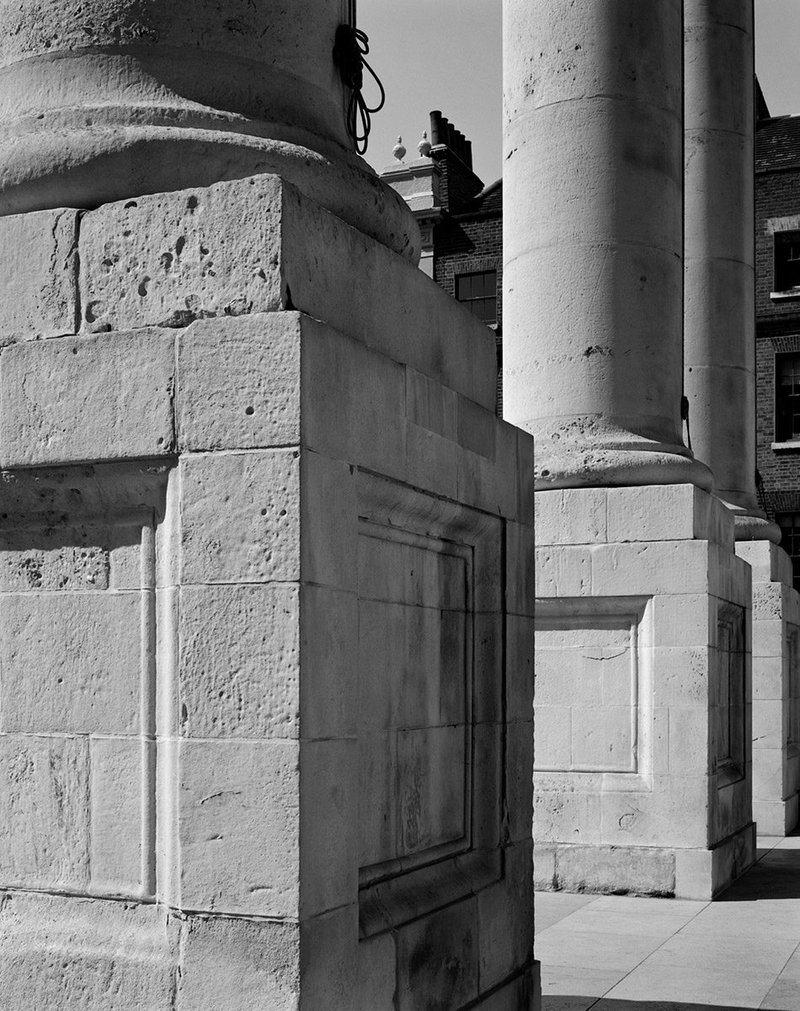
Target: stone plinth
265, 724
776, 688
643, 751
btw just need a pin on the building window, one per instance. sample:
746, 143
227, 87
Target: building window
787, 397
787, 261
478, 292
790, 541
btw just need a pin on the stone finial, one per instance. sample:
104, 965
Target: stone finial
399, 150
424, 146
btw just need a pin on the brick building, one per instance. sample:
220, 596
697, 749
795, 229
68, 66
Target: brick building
461, 221
778, 323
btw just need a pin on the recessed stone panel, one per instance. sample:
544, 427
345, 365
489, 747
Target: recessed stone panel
413, 678
429, 693
589, 686
77, 681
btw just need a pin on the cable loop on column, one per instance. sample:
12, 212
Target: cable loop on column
350, 48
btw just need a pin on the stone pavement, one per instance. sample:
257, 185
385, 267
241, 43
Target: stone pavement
619, 953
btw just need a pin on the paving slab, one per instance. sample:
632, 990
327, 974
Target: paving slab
622, 953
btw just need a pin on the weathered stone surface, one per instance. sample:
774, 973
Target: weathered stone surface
609, 869
118, 790
239, 382
377, 969
71, 662
169, 259
329, 662
506, 925
241, 517
234, 964
85, 954
38, 275
239, 661
239, 827
438, 960
51, 559
96, 398
329, 801
173, 258
44, 812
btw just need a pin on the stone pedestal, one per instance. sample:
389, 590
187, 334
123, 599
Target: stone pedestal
266, 644
643, 750
776, 688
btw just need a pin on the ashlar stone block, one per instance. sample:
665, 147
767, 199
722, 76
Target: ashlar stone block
71, 662
239, 827
44, 812
39, 275
239, 661
240, 515
108, 397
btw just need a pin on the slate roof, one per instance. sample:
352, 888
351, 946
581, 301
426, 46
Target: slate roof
488, 201
778, 143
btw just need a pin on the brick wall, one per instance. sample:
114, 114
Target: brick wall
777, 322
469, 243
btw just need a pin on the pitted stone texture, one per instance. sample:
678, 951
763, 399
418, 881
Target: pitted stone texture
98, 398
239, 383
169, 259
241, 517
38, 275
239, 665
44, 562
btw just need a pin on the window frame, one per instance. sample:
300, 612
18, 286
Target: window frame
787, 238
469, 302
781, 438
793, 532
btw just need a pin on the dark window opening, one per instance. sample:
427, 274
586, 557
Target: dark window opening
787, 261
478, 292
790, 541
787, 397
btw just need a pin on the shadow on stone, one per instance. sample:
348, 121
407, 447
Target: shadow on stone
575, 1003
775, 876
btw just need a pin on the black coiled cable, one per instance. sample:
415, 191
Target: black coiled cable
350, 48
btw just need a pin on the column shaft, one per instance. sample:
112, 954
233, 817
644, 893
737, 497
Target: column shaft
719, 315
593, 239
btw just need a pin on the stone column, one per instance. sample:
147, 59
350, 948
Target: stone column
265, 550
592, 241
642, 779
115, 98
719, 313
719, 328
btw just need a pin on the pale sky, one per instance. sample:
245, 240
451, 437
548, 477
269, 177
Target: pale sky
447, 54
